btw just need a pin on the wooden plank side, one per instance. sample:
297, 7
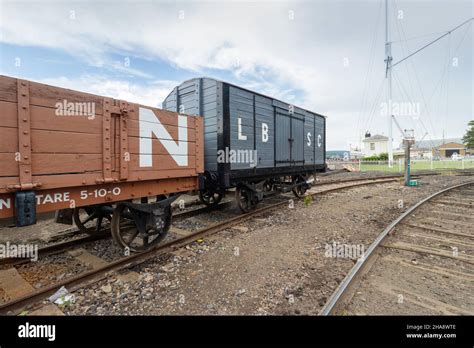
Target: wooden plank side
172, 128
68, 150
46, 95
165, 116
53, 164
89, 179
9, 114
51, 142
8, 89
160, 162
161, 174
134, 130
44, 142
49, 96
47, 119
157, 146
50, 200
8, 140
50, 119
9, 165
43, 164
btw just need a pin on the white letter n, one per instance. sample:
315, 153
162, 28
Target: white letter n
150, 125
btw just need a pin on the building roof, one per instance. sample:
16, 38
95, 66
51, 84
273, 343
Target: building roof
376, 137
429, 144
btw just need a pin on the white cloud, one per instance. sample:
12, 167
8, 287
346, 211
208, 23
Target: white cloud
151, 94
256, 41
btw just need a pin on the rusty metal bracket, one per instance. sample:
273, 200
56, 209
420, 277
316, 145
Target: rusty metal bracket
106, 141
24, 135
124, 153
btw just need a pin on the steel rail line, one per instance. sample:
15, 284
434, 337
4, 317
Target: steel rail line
95, 275
57, 248
179, 216
347, 281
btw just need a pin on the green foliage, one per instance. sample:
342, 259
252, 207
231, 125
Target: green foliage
308, 199
381, 157
468, 138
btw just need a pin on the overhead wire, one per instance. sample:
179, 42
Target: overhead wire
375, 103
419, 37
401, 88
446, 65
415, 73
365, 98
403, 51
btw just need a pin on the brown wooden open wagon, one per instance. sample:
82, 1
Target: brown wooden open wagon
62, 149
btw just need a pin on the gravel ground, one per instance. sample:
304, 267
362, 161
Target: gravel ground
274, 264
53, 269
410, 283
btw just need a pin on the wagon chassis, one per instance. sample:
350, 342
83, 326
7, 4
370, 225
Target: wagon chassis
250, 191
134, 259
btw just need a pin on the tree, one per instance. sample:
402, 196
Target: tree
468, 138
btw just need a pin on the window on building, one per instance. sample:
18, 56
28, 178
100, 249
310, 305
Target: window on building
372, 146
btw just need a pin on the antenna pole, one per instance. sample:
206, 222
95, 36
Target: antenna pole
388, 76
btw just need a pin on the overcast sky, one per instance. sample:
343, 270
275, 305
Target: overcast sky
326, 56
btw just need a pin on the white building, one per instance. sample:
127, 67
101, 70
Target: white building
375, 145
442, 148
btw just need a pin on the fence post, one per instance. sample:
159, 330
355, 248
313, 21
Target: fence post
359, 164
399, 165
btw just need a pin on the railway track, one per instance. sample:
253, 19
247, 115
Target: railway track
69, 234
178, 238
422, 263
180, 215
60, 247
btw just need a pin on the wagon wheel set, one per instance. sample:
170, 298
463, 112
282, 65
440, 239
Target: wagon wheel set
249, 194
299, 186
91, 219
247, 198
134, 226
211, 194
140, 226
210, 197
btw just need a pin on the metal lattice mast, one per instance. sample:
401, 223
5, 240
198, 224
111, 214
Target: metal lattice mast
388, 76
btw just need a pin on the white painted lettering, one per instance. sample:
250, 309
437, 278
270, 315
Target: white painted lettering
150, 125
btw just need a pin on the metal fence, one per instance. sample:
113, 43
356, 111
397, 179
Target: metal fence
398, 165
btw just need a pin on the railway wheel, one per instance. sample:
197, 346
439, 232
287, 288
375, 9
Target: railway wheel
139, 230
210, 197
243, 198
268, 186
91, 220
299, 190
